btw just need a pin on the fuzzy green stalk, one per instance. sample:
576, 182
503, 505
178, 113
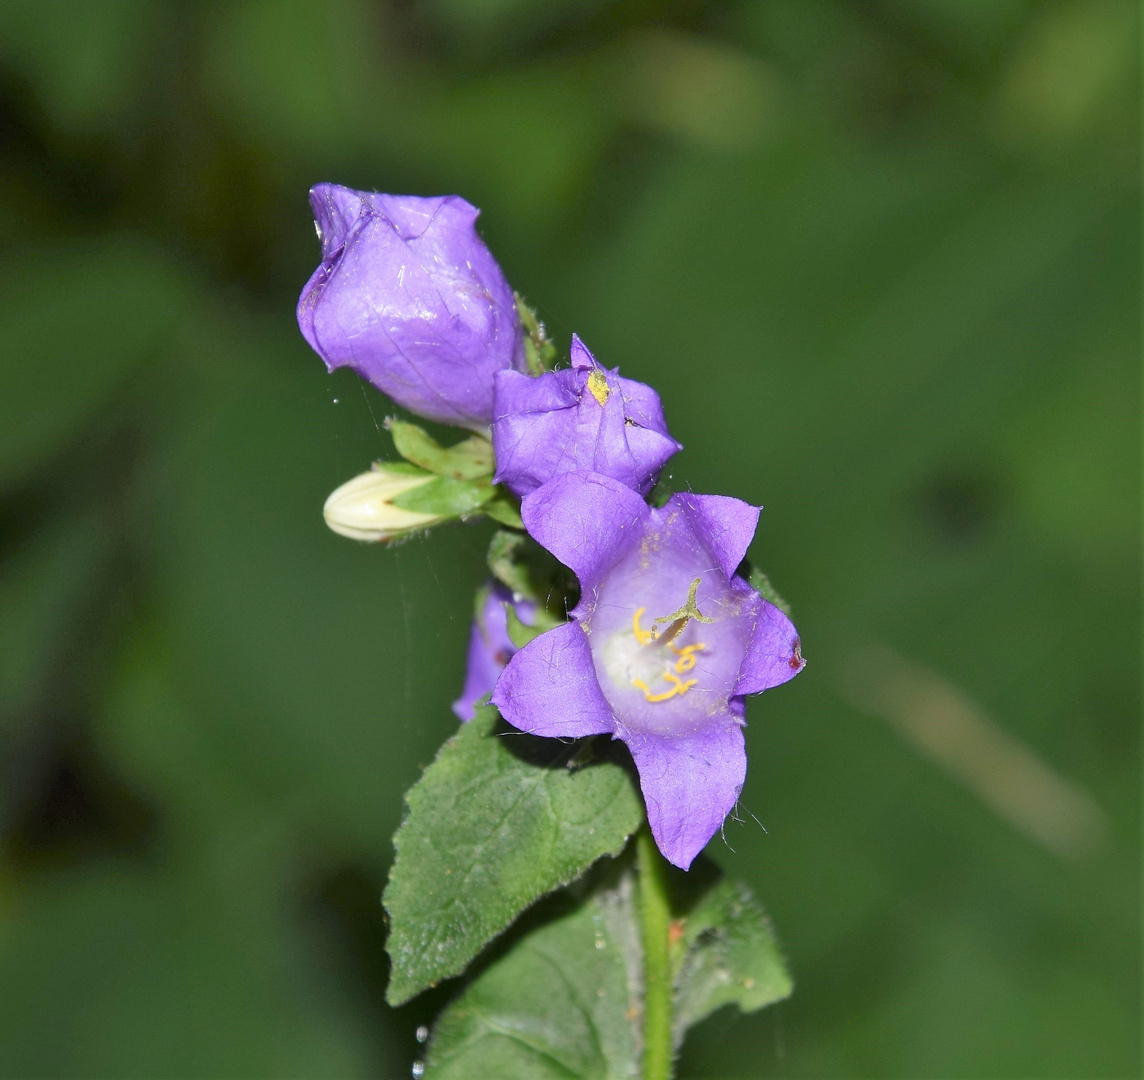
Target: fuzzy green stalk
655, 924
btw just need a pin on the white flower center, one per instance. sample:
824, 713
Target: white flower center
649, 659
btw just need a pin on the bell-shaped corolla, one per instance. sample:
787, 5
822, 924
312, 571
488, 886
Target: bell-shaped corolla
662, 650
585, 417
409, 297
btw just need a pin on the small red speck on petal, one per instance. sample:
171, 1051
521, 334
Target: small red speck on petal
796, 660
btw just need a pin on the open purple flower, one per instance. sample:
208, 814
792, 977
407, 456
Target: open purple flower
582, 418
490, 647
664, 644
409, 297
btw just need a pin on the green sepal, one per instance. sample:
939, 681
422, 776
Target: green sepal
518, 561
660, 494
505, 549
504, 509
479, 599
539, 352
469, 459
762, 585
446, 497
520, 633
497, 821
564, 1001
402, 468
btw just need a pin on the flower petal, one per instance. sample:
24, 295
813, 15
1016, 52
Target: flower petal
412, 215
481, 672
586, 520
517, 393
726, 525
580, 355
690, 784
773, 654
490, 647
532, 429
549, 687
582, 419
642, 404
335, 208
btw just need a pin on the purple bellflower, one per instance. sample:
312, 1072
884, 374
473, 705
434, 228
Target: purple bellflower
490, 647
409, 297
584, 418
662, 648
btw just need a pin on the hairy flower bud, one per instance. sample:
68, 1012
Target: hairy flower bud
363, 509
409, 297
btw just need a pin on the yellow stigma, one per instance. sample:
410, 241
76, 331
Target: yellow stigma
598, 386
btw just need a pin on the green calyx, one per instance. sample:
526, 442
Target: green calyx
470, 459
539, 352
762, 585
458, 478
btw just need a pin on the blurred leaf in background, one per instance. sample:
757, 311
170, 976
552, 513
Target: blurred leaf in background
880, 259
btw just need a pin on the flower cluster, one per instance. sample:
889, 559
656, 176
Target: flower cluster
667, 637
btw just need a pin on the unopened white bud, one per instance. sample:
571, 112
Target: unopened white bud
362, 508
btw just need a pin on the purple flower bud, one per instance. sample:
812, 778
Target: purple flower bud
490, 647
584, 418
661, 649
409, 297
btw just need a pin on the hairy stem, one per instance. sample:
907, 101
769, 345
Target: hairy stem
655, 922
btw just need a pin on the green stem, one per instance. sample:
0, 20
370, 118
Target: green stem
655, 922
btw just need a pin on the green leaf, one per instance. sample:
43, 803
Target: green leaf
496, 822
762, 585
729, 957
563, 1003
444, 496
565, 1000
467, 460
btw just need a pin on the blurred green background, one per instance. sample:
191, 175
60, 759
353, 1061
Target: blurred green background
881, 260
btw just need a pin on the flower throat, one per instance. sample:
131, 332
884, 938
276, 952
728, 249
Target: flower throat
676, 622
